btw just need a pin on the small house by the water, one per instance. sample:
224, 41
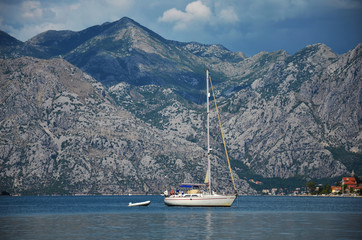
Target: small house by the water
349, 185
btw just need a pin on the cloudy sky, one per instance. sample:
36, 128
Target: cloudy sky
249, 26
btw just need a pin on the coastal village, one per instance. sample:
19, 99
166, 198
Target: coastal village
348, 186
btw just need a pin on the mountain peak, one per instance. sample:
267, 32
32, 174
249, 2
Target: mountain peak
128, 26
319, 47
45, 38
123, 22
127, 20
318, 53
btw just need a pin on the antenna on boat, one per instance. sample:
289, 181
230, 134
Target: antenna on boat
208, 130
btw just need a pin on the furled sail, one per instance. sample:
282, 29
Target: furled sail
207, 177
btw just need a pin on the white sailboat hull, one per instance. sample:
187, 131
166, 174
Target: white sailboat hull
200, 201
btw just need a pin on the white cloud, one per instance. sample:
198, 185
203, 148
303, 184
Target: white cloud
173, 15
195, 12
198, 10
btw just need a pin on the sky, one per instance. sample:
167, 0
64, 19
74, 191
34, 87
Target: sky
248, 26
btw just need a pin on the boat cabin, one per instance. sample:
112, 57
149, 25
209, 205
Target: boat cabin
193, 188
189, 190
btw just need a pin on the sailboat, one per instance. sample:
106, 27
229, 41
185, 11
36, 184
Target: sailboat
201, 195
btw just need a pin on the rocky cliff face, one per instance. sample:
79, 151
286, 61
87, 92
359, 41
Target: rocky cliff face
284, 121
62, 133
130, 115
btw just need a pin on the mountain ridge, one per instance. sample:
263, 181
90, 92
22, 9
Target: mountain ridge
125, 90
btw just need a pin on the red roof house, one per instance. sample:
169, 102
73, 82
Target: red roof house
350, 182
336, 189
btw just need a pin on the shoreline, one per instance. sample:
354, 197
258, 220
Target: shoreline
142, 194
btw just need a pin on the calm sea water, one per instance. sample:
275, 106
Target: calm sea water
109, 217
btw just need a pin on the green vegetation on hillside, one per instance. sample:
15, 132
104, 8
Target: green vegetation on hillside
353, 161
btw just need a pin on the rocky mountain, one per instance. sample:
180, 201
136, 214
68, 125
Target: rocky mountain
296, 117
116, 108
62, 133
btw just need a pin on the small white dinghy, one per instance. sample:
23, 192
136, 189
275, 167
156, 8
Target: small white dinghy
146, 203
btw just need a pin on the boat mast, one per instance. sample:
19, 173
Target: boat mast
208, 130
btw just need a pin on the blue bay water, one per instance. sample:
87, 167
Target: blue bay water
109, 217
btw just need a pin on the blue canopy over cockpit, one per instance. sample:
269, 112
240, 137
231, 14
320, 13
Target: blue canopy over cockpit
191, 185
